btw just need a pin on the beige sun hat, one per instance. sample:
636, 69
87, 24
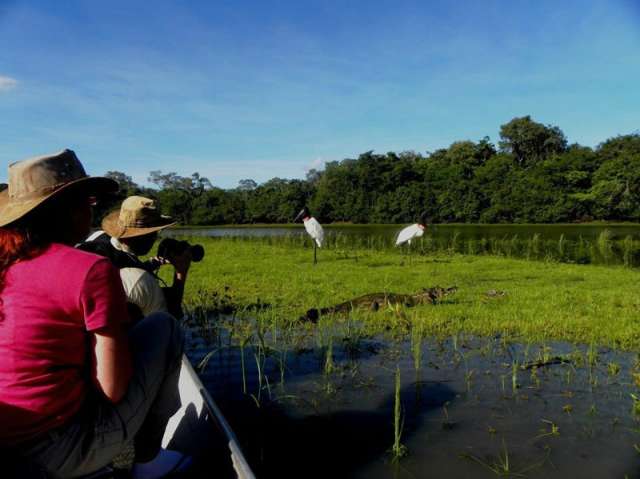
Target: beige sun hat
136, 217
35, 180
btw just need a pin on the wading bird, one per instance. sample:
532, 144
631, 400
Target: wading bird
313, 228
414, 231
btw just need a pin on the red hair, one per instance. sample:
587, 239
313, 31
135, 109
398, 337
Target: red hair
30, 235
15, 244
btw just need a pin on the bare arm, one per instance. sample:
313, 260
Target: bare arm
175, 293
111, 362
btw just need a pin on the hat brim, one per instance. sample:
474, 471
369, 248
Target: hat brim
92, 185
113, 228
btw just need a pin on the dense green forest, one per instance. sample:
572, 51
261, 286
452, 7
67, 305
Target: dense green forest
531, 176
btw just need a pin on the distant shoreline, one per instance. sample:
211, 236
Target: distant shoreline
374, 225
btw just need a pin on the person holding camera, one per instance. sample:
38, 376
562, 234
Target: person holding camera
131, 232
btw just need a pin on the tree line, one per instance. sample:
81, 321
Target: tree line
531, 176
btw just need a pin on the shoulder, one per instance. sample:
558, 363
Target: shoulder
73, 258
135, 274
139, 278
143, 290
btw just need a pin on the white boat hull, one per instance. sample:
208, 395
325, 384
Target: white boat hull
191, 429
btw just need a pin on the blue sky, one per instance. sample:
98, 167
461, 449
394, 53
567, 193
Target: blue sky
236, 89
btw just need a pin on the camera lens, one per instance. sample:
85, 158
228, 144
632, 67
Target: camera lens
166, 246
169, 247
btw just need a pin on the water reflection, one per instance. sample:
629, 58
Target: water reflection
468, 403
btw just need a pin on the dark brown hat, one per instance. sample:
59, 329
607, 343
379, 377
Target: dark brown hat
136, 217
34, 181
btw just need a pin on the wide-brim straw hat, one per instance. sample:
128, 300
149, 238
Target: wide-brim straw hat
137, 216
34, 181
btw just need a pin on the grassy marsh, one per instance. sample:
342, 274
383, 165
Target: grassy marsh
542, 300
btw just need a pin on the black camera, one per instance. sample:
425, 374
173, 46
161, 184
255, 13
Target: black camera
169, 247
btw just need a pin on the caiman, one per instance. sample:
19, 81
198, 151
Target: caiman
375, 301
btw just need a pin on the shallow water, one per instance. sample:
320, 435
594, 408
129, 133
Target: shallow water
571, 232
567, 243
462, 415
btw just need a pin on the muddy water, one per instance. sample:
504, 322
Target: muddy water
465, 413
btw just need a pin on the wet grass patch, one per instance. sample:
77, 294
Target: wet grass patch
542, 301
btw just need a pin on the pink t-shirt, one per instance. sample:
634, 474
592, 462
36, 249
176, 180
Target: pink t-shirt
49, 303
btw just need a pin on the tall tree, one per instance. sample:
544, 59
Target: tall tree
616, 183
247, 185
529, 141
127, 186
534, 177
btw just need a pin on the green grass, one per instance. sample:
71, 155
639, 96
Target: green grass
543, 300
398, 450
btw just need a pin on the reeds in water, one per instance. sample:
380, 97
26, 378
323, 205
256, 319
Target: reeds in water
605, 245
416, 347
398, 450
533, 247
603, 249
628, 251
562, 247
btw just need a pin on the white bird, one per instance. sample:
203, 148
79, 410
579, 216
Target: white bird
410, 232
314, 229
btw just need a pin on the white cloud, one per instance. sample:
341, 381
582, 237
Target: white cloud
316, 164
7, 83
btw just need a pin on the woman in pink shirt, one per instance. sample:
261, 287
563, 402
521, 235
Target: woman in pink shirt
75, 384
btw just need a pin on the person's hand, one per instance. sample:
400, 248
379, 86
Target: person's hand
155, 262
182, 262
